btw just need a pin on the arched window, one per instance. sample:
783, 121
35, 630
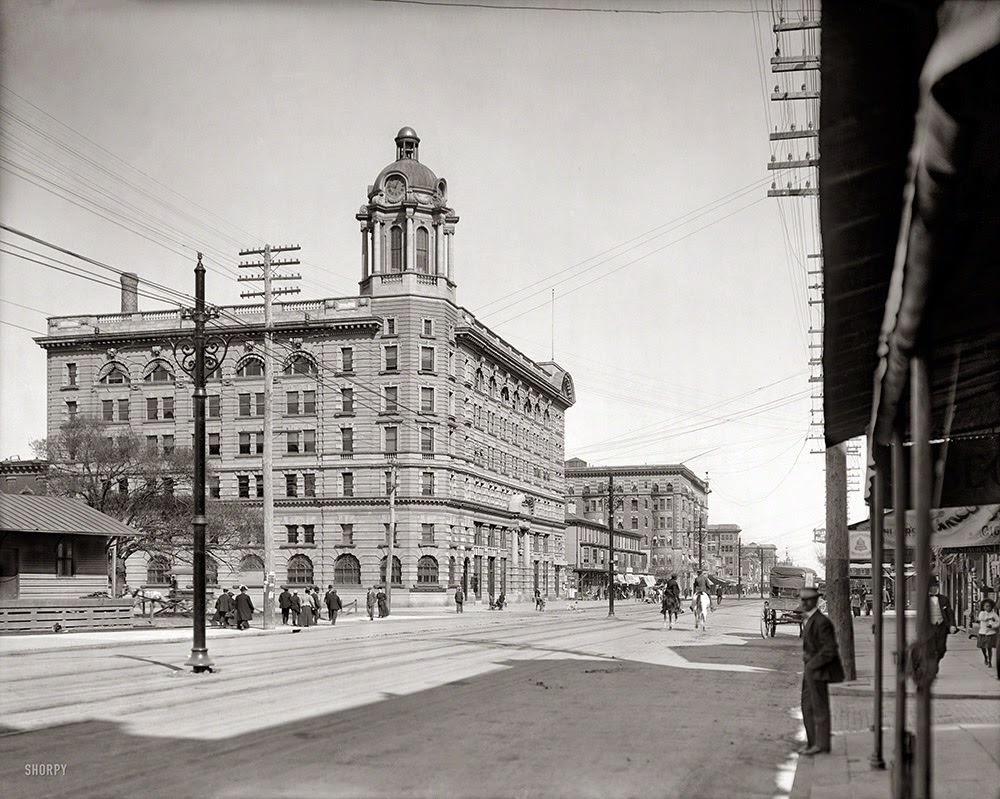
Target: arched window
158, 571
347, 571
397, 571
158, 372
505, 394
250, 367
116, 376
300, 364
300, 570
395, 249
211, 570
251, 563
451, 571
427, 571
423, 243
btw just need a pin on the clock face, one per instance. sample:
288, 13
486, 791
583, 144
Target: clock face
394, 188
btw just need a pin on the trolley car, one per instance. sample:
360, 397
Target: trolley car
782, 606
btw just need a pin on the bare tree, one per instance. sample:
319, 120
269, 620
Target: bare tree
116, 472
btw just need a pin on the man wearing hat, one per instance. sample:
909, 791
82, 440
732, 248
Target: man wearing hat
244, 609
821, 666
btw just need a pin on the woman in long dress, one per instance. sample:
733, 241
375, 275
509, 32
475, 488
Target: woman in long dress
383, 604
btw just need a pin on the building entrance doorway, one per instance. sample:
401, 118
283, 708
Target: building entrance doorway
465, 577
535, 576
491, 576
9, 576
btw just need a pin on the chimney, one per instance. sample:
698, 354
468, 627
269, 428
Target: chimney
130, 292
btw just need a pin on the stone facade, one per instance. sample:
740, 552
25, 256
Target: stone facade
722, 543
399, 375
665, 504
587, 554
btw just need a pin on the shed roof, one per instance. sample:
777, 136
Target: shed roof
23, 513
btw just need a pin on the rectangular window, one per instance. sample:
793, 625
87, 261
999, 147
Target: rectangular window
426, 359
388, 483
391, 358
214, 486
428, 327
123, 410
244, 404
71, 374
309, 402
390, 326
168, 407
427, 534
259, 480
214, 406
308, 533
347, 400
152, 407
426, 399
71, 409
427, 440
308, 440
108, 410
347, 359
291, 485
395, 535
348, 478
259, 403
347, 534
214, 444
308, 485
292, 403
427, 484
243, 484
292, 442
391, 394
168, 445
293, 533
347, 440
391, 439
64, 559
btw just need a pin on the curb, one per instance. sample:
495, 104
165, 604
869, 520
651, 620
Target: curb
861, 690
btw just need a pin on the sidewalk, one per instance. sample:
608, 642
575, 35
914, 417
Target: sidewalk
142, 633
966, 727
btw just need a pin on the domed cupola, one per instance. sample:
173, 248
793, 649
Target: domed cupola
407, 228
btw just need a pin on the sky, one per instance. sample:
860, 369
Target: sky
619, 158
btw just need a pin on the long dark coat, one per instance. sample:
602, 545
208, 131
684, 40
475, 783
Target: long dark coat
244, 607
819, 649
383, 604
333, 602
285, 599
224, 604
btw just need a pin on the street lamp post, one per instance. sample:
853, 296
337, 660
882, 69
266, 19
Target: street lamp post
199, 355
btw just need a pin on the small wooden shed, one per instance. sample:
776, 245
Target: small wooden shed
53, 554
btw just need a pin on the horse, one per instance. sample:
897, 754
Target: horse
670, 608
701, 605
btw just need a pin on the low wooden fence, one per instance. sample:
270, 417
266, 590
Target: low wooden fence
41, 615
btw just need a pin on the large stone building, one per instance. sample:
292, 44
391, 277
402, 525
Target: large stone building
723, 544
399, 375
666, 504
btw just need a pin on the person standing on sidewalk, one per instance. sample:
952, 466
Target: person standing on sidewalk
296, 607
333, 604
942, 618
244, 609
989, 623
370, 603
821, 666
285, 603
459, 600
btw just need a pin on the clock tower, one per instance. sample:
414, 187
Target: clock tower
407, 228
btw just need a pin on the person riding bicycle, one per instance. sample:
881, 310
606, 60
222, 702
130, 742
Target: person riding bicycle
700, 586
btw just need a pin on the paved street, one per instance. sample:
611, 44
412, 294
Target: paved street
566, 703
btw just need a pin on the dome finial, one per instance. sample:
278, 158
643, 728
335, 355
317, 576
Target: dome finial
407, 142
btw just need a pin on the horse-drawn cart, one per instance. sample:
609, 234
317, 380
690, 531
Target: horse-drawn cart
782, 606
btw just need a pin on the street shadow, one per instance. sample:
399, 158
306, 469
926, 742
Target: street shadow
546, 728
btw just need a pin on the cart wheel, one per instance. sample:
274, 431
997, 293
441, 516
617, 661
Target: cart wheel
763, 625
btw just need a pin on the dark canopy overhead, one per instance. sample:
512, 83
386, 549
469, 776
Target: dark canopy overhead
910, 212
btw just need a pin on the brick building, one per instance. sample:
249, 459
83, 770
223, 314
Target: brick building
400, 374
723, 543
666, 505
755, 558
587, 554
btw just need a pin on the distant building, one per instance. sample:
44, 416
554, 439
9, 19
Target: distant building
665, 505
587, 555
758, 560
399, 374
24, 477
724, 544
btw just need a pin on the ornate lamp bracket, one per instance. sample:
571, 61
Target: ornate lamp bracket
216, 344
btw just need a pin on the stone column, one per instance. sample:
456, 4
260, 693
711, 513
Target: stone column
408, 248
439, 249
376, 246
451, 254
364, 252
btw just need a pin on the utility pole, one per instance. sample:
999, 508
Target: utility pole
700, 545
267, 266
760, 551
838, 583
739, 567
390, 544
611, 546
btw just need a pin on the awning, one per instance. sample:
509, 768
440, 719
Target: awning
649, 580
951, 528
790, 576
720, 580
910, 261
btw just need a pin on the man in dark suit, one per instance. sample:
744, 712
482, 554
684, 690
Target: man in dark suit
821, 666
942, 618
285, 603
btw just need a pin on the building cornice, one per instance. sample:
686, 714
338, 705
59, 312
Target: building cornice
665, 470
